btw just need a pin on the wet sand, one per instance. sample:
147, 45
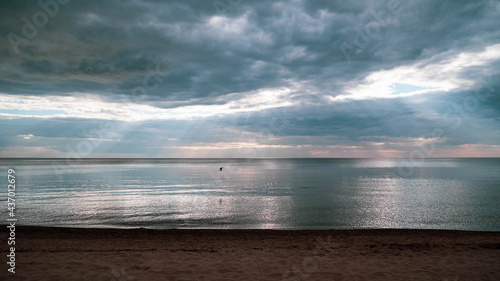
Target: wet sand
46, 253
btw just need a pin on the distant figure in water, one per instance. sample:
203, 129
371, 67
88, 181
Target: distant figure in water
220, 169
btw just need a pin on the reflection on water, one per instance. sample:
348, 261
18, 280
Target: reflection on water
258, 193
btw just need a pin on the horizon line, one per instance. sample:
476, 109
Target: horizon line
150, 158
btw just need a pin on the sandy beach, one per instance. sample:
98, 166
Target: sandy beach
44, 253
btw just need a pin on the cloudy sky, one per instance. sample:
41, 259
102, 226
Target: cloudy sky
240, 78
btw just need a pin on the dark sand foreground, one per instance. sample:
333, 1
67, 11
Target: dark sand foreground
139, 254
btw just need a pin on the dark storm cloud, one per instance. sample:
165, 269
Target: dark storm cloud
120, 41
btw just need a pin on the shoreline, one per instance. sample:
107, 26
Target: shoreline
53, 253
55, 229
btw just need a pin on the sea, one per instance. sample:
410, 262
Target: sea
313, 193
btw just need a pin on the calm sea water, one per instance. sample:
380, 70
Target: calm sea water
256, 193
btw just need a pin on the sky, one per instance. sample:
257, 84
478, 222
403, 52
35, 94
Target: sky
239, 78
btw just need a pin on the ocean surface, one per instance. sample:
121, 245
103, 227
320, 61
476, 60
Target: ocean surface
256, 193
